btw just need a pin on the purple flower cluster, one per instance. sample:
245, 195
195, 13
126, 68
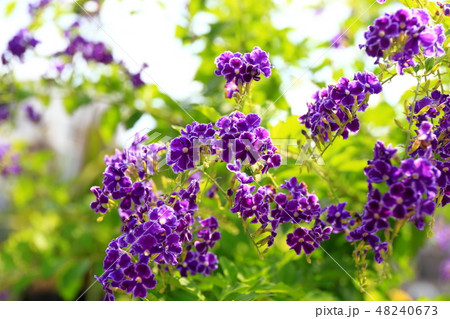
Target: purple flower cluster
9, 162
412, 188
156, 227
400, 36
437, 137
266, 207
433, 141
18, 45
136, 162
334, 108
136, 78
234, 137
90, 50
238, 68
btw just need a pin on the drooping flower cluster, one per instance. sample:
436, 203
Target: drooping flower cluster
156, 227
9, 161
238, 68
234, 137
334, 108
136, 162
412, 188
400, 36
18, 45
433, 140
264, 206
429, 136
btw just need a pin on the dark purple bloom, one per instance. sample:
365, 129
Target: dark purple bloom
101, 200
238, 69
378, 249
32, 115
406, 31
207, 263
369, 81
300, 240
259, 58
189, 264
346, 92
361, 234
336, 216
136, 78
115, 179
181, 154
20, 43
339, 40
4, 112
141, 279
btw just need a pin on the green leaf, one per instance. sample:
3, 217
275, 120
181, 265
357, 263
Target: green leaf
429, 63
71, 278
109, 123
210, 113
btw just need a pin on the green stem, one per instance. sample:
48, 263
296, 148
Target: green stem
411, 113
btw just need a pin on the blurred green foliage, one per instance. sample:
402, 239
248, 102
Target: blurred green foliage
51, 245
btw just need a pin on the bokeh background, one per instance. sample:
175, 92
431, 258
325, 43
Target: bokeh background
51, 243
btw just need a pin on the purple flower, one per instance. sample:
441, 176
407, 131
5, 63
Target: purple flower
328, 111
207, 263
4, 112
189, 264
91, 51
369, 81
336, 216
238, 69
378, 249
202, 132
346, 92
115, 179
401, 35
20, 43
361, 234
9, 162
101, 200
141, 279
181, 154
300, 240
130, 195
136, 78
339, 40
32, 115
259, 58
